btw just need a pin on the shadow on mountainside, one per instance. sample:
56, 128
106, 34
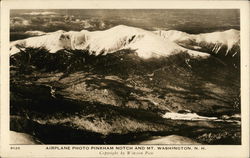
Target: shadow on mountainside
72, 97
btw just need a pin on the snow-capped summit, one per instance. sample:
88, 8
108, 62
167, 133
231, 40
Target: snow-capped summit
213, 42
146, 44
49, 41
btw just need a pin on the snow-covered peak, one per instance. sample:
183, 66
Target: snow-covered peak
145, 43
212, 41
49, 41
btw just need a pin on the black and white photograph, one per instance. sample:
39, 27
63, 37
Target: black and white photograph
106, 76
160, 77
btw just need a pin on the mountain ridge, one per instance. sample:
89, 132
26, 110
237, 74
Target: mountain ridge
147, 44
213, 42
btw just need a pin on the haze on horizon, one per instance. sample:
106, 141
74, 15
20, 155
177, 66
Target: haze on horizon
187, 20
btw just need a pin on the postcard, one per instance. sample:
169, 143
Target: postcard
124, 78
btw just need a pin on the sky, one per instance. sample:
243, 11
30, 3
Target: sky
187, 20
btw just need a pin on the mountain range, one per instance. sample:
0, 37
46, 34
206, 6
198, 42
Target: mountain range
147, 44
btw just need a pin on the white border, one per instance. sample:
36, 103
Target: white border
39, 150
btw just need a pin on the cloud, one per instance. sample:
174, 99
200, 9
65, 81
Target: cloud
19, 21
41, 13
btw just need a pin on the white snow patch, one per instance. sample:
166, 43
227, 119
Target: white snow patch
186, 116
35, 33
22, 138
